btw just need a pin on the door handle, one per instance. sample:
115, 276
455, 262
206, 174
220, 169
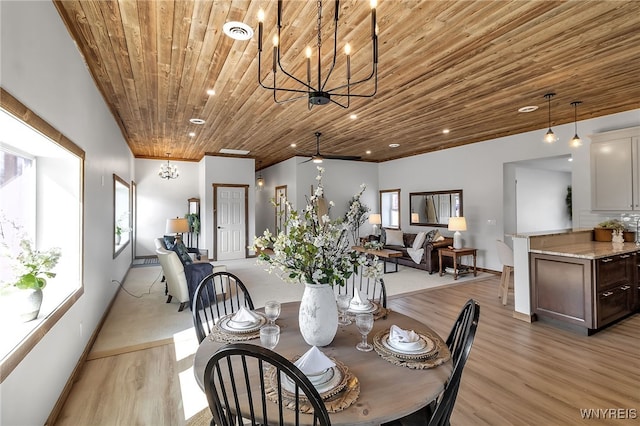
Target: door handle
219, 227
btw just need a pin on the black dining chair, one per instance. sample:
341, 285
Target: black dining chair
374, 288
218, 294
239, 388
459, 342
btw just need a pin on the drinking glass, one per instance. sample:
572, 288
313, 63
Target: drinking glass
343, 301
364, 322
269, 335
272, 311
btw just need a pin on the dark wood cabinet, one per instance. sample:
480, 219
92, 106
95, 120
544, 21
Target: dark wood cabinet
586, 293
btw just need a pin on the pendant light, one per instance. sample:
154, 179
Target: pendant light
550, 137
260, 180
575, 141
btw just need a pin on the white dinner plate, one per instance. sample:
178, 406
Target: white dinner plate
324, 383
428, 346
228, 325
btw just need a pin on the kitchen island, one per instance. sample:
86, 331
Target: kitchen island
584, 285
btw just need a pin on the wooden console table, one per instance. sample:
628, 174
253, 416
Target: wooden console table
455, 254
385, 254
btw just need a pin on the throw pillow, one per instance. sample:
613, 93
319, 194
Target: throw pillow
183, 254
394, 238
169, 240
419, 241
383, 236
431, 235
438, 237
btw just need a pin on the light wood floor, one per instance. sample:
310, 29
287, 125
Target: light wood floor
517, 374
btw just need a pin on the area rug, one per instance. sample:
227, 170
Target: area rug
140, 318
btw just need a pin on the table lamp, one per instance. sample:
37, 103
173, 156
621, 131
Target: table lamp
375, 220
457, 224
177, 226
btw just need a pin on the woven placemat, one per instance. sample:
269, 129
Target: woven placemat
334, 400
430, 360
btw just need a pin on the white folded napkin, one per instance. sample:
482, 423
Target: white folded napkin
358, 302
314, 362
245, 315
398, 335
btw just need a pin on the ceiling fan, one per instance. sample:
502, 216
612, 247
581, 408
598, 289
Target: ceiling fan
317, 157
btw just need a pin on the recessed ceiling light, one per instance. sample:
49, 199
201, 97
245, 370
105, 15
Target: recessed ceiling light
293, 145
353, 116
192, 134
197, 121
394, 145
368, 152
570, 159
234, 151
211, 92
445, 131
237, 30
529, 108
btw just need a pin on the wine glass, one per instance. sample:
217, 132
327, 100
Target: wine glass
270, 335
343, 301
272, 311
364, 322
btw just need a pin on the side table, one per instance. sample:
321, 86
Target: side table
455, 254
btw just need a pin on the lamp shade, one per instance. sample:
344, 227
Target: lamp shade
457, 224
415, 218
375, 219
177, 226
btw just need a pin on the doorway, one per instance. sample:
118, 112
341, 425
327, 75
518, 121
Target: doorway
230, 218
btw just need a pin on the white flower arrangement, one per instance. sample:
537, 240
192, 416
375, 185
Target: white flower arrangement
314, 249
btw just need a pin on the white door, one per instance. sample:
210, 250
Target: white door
230, 222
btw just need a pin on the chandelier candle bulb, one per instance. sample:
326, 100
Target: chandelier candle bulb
347, 51
260, 21
374, 3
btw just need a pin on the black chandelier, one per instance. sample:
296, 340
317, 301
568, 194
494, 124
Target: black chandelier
318, 93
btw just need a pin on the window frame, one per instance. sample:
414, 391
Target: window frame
15, 108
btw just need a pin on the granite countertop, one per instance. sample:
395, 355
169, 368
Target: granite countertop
548, 233
588, 250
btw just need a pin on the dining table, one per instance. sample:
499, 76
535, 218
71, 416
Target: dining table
389, 389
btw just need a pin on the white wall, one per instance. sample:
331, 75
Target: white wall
42, 68
541, 200
478, 170
162, 199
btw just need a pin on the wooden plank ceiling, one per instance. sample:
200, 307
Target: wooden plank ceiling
462, 65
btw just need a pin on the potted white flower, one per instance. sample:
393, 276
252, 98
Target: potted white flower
30, 270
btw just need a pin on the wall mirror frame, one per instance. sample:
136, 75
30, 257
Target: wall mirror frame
434, 208
390, 208
121, 215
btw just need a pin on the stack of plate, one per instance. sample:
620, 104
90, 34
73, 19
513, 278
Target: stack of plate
363, 308
423, 348
328, 382
227, 324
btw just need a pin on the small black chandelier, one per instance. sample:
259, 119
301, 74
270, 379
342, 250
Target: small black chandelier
318, 93
167, 171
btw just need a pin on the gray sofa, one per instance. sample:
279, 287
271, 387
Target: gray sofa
429, 261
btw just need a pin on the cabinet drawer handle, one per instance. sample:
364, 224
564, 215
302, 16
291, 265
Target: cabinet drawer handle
607, 293
625, 287
624, 256
607, 260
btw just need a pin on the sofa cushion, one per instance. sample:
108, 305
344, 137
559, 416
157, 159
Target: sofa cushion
419, 240
394, 238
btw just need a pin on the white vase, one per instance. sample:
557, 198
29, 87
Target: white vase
318, 315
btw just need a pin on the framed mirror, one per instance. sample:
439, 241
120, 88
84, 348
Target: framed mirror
390, 208
121, 215
434, 208
281, 211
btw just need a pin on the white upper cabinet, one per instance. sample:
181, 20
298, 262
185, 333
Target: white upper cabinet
615, 170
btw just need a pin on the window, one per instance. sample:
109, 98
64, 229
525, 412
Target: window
121, 215
41, 188
390, 208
